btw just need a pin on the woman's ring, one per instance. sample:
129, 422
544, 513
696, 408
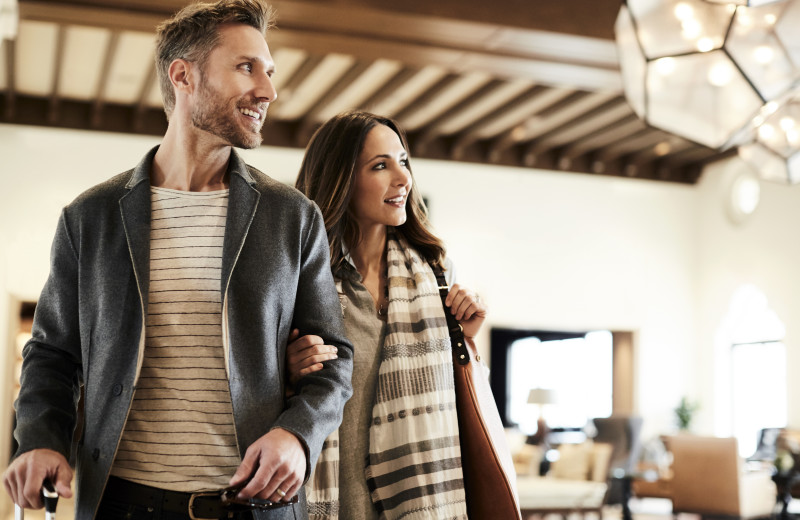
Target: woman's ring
281, 492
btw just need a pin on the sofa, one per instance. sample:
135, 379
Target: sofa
576, 483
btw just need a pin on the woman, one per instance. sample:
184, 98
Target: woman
399, 436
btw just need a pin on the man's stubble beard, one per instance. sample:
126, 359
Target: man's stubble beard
214, 116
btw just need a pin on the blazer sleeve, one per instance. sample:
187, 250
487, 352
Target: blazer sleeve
315, 410
46, 408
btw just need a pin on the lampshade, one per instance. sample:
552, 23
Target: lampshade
9, 19
703, 70
542, 396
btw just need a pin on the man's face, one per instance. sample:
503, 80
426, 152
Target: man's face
235, 88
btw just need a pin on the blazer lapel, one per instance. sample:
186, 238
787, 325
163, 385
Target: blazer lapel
135, 210
242, 204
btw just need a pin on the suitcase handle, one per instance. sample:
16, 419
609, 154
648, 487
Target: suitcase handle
50, 502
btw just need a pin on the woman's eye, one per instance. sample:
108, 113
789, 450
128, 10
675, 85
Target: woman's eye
404, 162
379, 166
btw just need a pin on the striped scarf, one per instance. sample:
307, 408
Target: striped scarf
414, 469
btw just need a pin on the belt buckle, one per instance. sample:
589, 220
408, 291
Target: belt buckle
195, 496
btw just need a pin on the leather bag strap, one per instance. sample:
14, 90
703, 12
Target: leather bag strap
457, 341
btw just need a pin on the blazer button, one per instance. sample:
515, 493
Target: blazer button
117, 389
96, 453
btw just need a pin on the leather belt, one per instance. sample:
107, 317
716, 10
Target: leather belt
199, 506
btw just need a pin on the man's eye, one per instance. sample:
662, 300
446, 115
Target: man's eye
247, 67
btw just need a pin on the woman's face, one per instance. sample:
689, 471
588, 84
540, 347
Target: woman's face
383, 180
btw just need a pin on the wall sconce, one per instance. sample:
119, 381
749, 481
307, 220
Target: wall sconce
703, 69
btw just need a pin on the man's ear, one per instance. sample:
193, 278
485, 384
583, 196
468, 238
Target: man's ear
180, 75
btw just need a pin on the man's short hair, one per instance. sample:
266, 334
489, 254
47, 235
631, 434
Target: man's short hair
193, 33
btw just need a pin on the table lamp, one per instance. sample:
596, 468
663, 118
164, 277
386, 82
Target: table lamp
541, 397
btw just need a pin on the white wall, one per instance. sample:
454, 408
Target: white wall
763, 251
546, 250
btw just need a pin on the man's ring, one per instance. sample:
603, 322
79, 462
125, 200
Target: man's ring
281, 492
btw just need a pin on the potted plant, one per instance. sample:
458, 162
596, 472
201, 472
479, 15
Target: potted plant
684, 413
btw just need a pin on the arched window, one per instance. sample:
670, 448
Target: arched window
756, 360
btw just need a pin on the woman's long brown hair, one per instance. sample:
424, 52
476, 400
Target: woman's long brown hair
327, 176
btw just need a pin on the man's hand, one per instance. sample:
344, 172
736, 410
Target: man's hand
305, 355
468, 309
24, 477
276, 461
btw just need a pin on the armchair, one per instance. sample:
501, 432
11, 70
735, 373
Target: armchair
623, 433
708, 478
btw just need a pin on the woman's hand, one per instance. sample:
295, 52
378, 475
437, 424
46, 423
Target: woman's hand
467, 308
304, 355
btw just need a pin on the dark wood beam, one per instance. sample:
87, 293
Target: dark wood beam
55, 89
585, 18
144, 93
9, 47
102, 82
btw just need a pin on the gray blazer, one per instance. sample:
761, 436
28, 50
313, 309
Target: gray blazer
88, 326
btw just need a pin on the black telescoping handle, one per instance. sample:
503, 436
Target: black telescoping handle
50, 496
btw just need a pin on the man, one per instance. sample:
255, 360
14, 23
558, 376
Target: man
173, 290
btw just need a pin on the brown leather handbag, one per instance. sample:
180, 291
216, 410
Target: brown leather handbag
489, 477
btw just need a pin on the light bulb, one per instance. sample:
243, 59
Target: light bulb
665, 66
763, 54
691, 28
683, 11
705, 44
720, 74
766, 132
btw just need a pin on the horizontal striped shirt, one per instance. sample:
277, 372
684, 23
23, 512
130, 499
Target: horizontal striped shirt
180, 433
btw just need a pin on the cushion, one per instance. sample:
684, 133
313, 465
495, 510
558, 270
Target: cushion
527, 459
601, 461
574, 461
549, 493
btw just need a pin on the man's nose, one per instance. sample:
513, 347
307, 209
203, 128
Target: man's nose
265, 89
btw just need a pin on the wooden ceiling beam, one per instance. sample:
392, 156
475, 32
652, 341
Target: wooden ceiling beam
9, 47
614, 133
144, 93
466, 87
458, 118
585, 126
55, 88
458, 61
550, 118
593, 19
510, 116
354, 92
646, 138
548, 65
105, 76
312, 118
425, 100
70, 13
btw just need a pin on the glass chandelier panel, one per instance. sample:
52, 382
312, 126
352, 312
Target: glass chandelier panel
775, 148
703, 70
